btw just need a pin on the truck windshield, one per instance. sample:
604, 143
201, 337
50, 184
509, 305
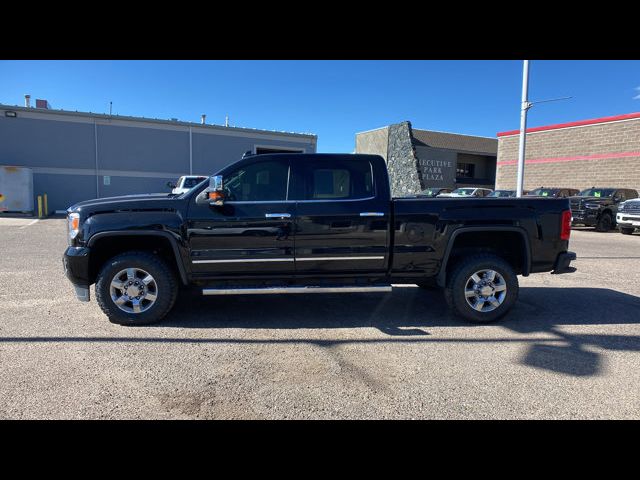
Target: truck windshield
464, 191
597, 192
544, 192
502, 193
191, 182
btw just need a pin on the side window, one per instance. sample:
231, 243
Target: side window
258, 182
632, 194
341, 180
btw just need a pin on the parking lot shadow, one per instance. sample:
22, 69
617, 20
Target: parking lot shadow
538, 309
411, 311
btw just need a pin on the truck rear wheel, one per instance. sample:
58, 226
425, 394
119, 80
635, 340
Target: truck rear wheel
481, 288
136, 288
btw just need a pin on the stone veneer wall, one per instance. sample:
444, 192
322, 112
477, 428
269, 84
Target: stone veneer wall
402, 162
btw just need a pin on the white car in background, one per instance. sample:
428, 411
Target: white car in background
468, 192
185, 183
628, 216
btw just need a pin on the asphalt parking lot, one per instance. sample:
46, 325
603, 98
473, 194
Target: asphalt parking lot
570, 349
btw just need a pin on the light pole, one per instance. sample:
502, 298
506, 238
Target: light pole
523, 127
525, 106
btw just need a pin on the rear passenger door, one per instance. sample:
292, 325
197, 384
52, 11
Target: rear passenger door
341, 225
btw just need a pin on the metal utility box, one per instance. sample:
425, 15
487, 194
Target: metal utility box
16, 189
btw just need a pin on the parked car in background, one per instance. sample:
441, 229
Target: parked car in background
433, 192
554, 192
185, 183
598, 207
505, 193
628, 216
467, 192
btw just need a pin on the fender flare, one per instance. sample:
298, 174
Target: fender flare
172, 241
442, 275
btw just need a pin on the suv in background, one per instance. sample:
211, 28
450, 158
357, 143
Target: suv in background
467, 192
598, 207
554, 192
185, 183
628, 216
505, 193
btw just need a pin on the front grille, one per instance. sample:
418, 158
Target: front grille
631, 208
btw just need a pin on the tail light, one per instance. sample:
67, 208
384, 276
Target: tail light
565, 227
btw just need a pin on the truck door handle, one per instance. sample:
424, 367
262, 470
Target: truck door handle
277, 215
372, 214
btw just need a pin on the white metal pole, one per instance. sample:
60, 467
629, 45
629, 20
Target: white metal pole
523, 127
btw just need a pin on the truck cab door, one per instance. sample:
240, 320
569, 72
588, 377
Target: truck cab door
252, 232
342, 219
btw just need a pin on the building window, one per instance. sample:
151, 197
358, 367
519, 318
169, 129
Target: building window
465, 170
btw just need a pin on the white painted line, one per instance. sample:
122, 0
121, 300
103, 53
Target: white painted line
29, 224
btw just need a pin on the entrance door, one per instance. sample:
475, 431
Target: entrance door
253, 231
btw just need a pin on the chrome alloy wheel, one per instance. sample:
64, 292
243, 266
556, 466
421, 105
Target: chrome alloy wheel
485, 290
133, 290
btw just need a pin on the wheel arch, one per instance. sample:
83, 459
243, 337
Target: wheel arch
166, 239
525, 248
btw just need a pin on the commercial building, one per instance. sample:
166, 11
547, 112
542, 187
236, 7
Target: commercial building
77, 156
601, 152
418, 159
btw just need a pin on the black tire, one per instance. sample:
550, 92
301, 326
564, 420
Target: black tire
626, 230
167, 288
605, 223
461, 273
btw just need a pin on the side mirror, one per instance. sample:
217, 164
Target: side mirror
213, 195
171, 185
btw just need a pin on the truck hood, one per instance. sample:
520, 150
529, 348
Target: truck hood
456, 195
148, 201
577, 200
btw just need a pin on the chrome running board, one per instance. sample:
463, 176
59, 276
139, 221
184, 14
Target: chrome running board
272, 290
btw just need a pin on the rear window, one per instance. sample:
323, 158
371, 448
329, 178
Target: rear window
342, 180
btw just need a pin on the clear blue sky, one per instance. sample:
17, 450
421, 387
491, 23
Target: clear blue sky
333, 99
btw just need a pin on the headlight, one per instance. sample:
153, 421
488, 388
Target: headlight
73, 222
592, 206
621, 206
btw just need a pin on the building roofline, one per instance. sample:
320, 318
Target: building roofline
580, 123
222, 128
372, 130
453, 133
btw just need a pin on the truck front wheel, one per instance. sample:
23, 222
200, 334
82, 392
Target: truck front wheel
136, 288
481, 288
605, 223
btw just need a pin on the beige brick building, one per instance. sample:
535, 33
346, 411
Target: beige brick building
602, 152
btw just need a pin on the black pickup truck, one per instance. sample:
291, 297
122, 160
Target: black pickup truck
597, 207
309, 223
